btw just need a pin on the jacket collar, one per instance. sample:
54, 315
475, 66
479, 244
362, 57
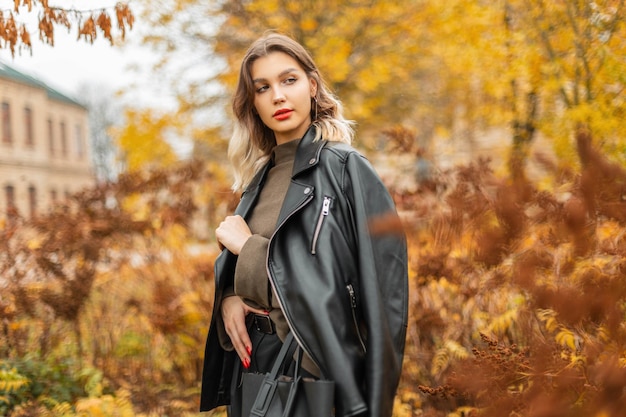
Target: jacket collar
307, 156
308, 152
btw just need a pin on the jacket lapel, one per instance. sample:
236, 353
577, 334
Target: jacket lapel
308, 152
251, 193
307, 156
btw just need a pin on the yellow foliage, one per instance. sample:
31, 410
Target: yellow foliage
603, 335
440, 361
176, 237
138, 206
62, 410
549, 318
11, 381
443, 356
34, 243
12, 386
191, 313
308, 24
401, 409
106, 406
463, 411
450, 68
607, 231
577, 360
456, 350
501, 323
566, 338
143, 139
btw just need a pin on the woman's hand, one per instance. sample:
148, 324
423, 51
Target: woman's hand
234, 312
233, 233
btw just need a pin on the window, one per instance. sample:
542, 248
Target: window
6, 123
9, 192
50, 137
63, 139
32, 201
28, 120
80, 144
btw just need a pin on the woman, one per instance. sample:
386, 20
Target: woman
298, 255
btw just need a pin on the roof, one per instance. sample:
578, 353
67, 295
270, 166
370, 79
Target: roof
8, 72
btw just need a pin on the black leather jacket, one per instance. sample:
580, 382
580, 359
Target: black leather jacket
343, 291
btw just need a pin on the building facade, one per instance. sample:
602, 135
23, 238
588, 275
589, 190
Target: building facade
44, 146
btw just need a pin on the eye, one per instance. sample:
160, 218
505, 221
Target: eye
261, 88
290, 80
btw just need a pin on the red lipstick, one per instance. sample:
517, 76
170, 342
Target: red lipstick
282, 114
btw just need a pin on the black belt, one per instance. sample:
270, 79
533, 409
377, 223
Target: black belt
264, 324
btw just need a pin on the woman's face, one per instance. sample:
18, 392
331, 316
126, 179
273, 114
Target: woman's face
282, 96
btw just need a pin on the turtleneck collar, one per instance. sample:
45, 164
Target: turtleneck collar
285, 152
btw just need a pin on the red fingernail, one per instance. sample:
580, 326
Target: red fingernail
266, 312
246, 363
249, 350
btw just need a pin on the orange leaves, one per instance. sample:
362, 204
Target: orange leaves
119, 263
13, 33
540, 270
52, 17
125, 18
89, 23
89, 29
9, 31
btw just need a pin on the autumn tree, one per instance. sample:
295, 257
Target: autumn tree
142, 139
453, 69
519, 293
530, 66
565, 75
583, 68
112, 263
371, 52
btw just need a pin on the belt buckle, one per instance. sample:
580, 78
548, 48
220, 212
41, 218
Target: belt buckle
264, 324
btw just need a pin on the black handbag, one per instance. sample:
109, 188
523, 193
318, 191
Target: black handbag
276, 395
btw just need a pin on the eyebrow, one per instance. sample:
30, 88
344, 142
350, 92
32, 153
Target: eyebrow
285, 72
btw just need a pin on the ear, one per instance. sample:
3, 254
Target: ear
313, 83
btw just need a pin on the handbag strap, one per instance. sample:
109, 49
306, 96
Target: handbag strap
270, 381
284, 355
293, 390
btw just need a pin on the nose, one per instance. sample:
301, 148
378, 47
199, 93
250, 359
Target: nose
279, 97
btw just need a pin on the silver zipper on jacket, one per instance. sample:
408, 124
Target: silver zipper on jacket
320, 220
353, 307
269, 274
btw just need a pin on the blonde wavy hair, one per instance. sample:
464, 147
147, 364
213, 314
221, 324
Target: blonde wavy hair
252, 142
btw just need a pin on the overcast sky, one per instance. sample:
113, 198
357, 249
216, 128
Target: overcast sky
71, 62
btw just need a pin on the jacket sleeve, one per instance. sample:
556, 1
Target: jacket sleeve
383, 282
218, 363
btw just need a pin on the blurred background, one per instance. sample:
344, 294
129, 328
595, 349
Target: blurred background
498, 127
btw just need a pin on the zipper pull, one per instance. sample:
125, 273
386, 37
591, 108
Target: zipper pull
325, 211
352, 296
326, 206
